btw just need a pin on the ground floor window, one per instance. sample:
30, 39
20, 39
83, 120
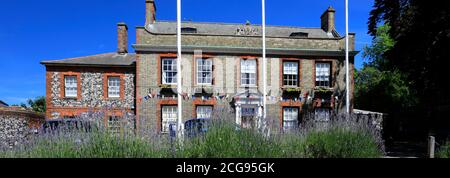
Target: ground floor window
169, 116
114, 124
322, 114
204, 112
290, 118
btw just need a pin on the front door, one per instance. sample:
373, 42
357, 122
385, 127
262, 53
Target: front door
248, 116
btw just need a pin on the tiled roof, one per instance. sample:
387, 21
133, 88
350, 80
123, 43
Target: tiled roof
202, 28
108, 59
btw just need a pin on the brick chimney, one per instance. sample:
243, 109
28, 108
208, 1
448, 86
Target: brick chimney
327, 20
150, 12
122, 38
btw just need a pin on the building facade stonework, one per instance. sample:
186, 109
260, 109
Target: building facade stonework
221, 68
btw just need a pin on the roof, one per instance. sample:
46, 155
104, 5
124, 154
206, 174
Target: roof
3, 104
205, 28
107, 59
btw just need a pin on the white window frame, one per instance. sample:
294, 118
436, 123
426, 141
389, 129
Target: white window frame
169, 71
204, 71
248, 72
290, 117
322, 114
114, 87
290, 71
71, 86
204, 112
323, 73
168, 116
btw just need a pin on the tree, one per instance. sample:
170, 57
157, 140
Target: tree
381, 43
421, 31
38, 104
376, 79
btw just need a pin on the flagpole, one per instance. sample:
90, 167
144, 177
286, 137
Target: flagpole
179, 89
264, 61
347, 78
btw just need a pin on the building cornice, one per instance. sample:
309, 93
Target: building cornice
145, 48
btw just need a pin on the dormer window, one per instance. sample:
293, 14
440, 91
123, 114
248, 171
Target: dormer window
188, 30
299, 35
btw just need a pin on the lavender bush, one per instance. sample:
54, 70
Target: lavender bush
343, 136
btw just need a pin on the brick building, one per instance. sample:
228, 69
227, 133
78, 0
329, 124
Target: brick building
221, 68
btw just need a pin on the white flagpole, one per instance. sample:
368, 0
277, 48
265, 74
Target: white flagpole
264, 61
347, 78
179, 89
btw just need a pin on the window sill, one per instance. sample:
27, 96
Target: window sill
204, 85
323, 88
168, 86
70, 97
290, 87
249, 86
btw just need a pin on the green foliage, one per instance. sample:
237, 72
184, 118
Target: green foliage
389, 86
380, 45
222, 140
341, 143
38, 104
421, 31
444, 151
376, 80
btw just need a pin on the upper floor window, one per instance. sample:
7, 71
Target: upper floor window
248, 72
290, 118
204, 112
290, 74
169, 71
204, 71
323, 76
71, 86
113, 87
169, 117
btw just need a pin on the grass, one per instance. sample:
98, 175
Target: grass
341, 139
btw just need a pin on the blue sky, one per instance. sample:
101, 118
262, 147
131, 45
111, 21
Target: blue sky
32, 31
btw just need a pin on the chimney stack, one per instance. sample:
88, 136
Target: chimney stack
122, 38
327, 20
150, 12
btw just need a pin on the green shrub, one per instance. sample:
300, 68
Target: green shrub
444, 151
341, 143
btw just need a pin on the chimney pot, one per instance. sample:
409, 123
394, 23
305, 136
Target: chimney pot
122, 38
